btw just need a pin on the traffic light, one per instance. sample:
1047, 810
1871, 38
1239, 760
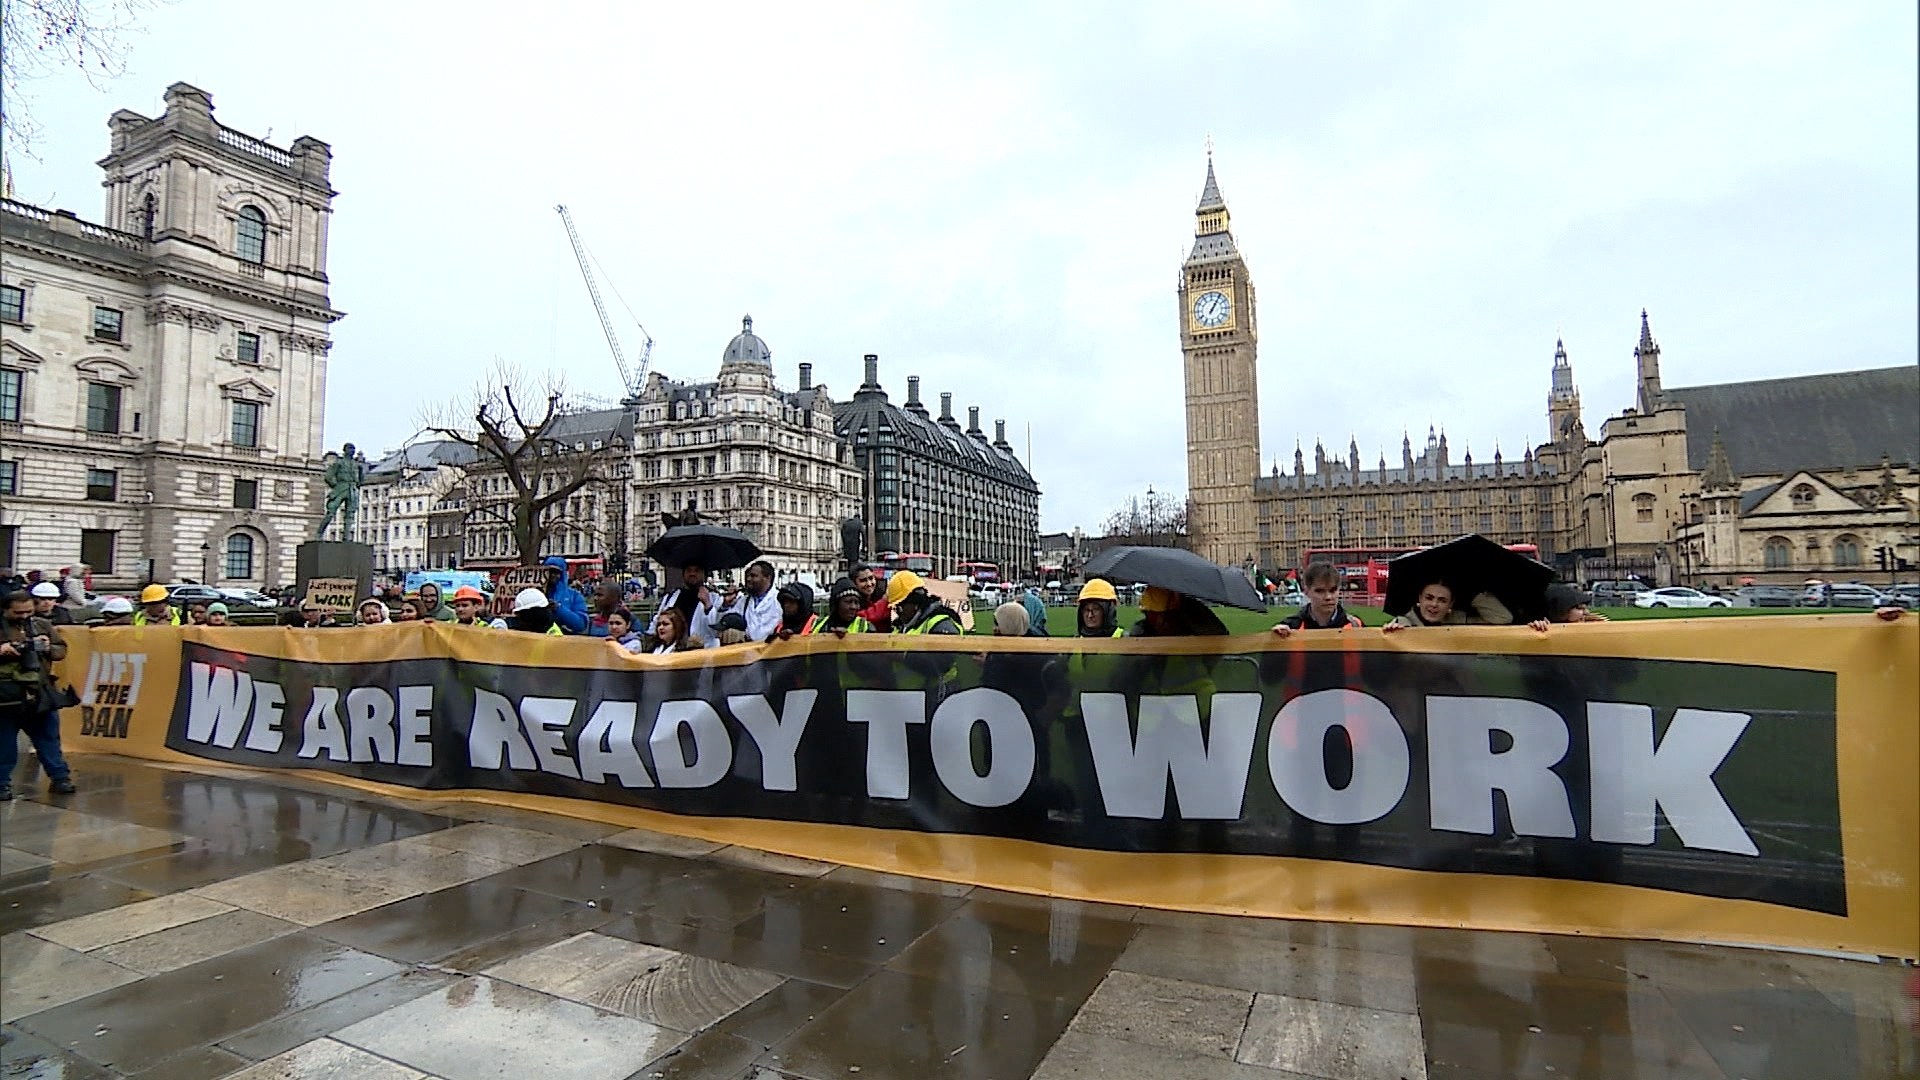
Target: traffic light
1885, 554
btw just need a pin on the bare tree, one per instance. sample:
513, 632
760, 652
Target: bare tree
38, 37
1158, 521
516, 426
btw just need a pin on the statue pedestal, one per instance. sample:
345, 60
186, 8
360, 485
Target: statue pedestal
334, 559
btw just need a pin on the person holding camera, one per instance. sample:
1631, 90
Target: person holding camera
29, 646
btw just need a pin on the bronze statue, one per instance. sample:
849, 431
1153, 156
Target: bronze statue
344, 474
853, 542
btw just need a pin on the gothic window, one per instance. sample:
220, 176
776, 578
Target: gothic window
1846, 551
1802, 496
1643, 507
250, 235
1779, 553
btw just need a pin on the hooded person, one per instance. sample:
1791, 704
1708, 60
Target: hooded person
534, 613
217, 614
569, 607
1097, 611
843, 610
434, 606
1036, 609
796, 610
915, 610
47, 605
1011, 620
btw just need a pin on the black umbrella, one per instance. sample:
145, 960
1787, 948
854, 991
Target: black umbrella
1181, 571
710, 547
1472, 565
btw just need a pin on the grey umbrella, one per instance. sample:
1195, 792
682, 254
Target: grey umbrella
710, 547
1178, 570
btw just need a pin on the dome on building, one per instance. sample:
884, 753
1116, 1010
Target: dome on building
747, 348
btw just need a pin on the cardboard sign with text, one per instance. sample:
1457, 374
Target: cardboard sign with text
335, 595
508, 583
954, 595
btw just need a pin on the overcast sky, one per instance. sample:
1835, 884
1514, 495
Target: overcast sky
998, 197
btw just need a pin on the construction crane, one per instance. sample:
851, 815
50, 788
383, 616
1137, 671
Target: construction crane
631, 383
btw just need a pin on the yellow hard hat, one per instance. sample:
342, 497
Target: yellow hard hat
1159, 599
153, 594
1098, 589
902, 584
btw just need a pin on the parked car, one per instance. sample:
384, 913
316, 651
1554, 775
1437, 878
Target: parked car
251, 597
1841, 595
1908, 596
1617, 593
1680, 597
182, 595
1763, 596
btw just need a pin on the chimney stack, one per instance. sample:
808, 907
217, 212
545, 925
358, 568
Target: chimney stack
973, 420
872, 385
1000, 432
913, 391
946, 407
806, 376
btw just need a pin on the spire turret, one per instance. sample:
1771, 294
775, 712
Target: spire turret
1646, 361
1718, 475
1212, 224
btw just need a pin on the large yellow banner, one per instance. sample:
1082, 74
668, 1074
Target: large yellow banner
1738, 780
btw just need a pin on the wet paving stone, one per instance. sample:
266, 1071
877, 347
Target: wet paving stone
25, 1056
203, 939
436, 924
647, 982
902, 1025
457, 941
483, 1029
291, 1030
169, 1014
61, 899
37, 975
328, 1059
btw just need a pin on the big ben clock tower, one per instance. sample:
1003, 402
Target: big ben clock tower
1219, 340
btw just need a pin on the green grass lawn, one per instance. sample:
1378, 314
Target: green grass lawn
1060, 619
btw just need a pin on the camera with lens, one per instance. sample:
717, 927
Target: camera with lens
29, 659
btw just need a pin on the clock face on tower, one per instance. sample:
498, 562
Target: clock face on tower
1212, 309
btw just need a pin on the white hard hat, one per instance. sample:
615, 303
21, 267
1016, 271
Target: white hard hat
46, 590
117, 605
528, 599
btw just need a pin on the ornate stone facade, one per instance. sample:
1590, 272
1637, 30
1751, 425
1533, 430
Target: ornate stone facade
744, 453
163, 375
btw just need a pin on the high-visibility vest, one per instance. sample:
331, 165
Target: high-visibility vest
140, 618
933, 622
813, 621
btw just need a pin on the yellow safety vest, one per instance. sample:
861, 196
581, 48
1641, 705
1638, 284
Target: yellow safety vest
140, 618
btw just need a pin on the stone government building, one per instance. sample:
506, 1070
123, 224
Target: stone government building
163, 373
1772, 480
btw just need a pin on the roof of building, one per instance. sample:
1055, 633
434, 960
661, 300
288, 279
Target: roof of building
747, 347
870, 412
425, 454
1431, 466
1751, 499
1845, 419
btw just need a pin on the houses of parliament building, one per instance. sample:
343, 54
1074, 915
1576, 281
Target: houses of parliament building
1770, 479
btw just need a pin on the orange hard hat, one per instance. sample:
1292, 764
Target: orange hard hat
468, 592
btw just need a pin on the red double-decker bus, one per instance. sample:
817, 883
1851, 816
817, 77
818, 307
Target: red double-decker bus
1363, 570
